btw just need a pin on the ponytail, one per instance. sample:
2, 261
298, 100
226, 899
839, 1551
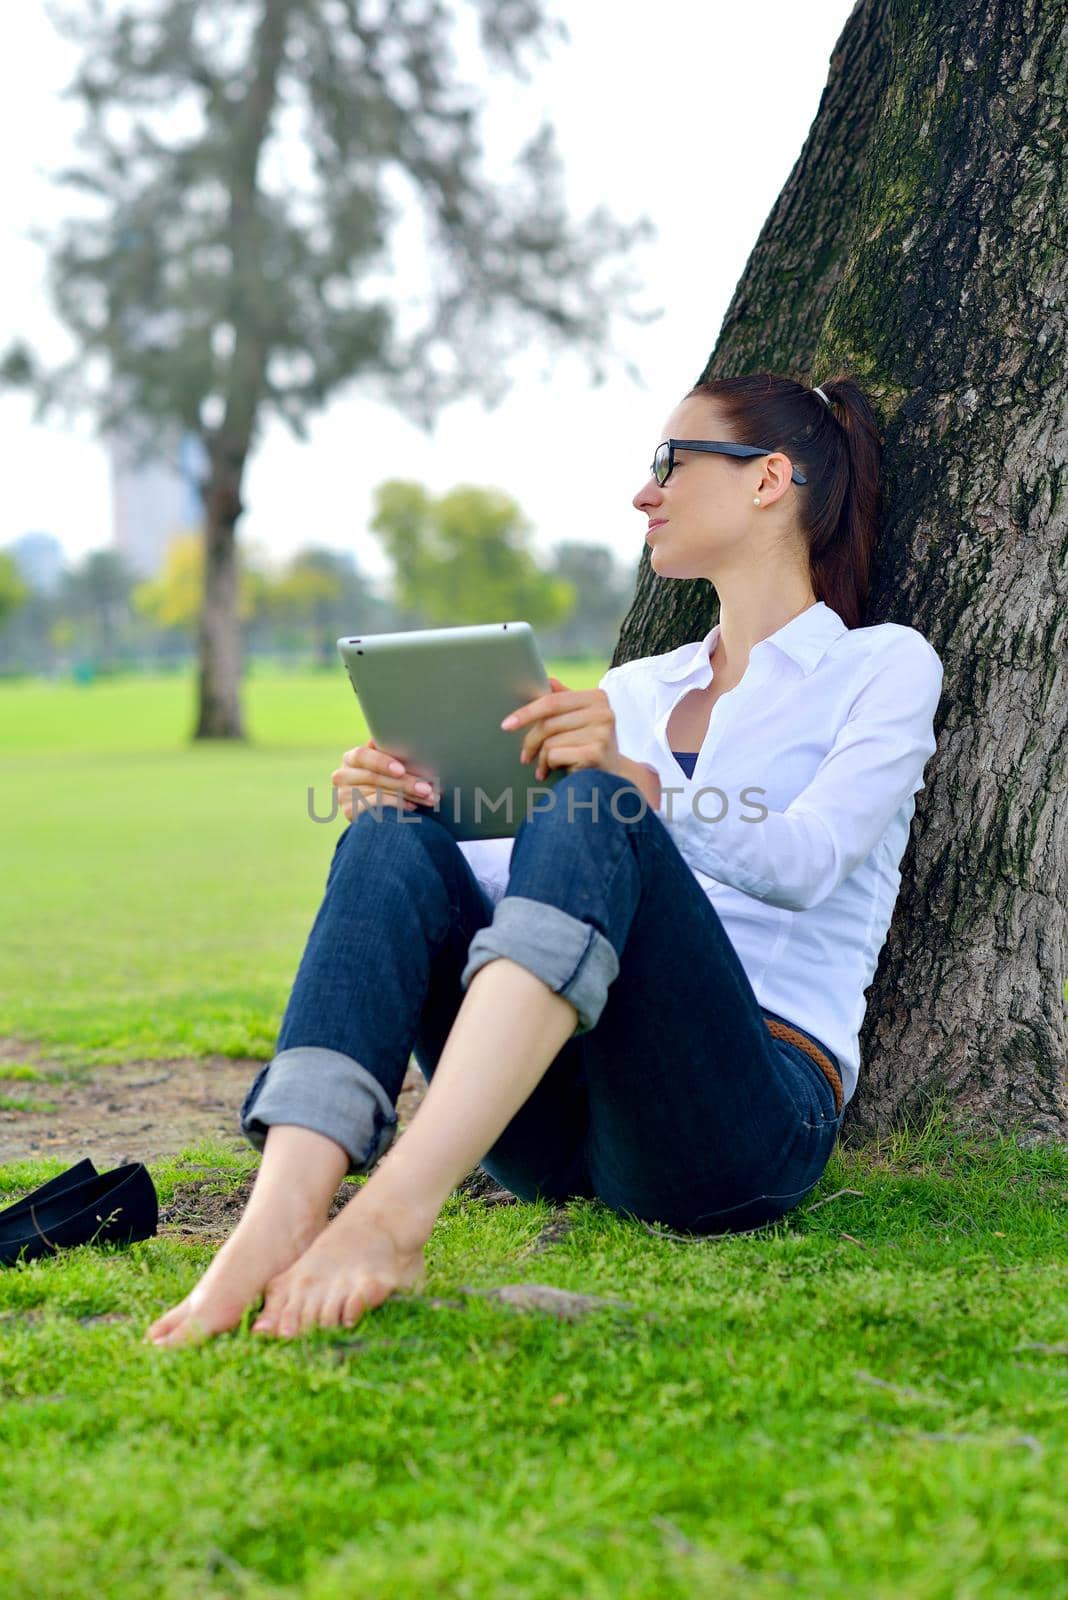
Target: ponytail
835, 442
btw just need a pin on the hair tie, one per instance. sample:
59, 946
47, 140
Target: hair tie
822, 396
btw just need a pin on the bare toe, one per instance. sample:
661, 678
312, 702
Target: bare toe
261, 1246
163, 1325
275, 1299
189, 1331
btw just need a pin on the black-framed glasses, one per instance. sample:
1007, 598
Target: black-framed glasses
664, 459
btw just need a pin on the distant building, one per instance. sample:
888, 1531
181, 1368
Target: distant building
40, 560
153, 499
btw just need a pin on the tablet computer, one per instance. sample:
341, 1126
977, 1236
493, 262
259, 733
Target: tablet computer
436, 698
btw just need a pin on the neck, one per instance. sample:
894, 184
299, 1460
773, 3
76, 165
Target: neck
746, 617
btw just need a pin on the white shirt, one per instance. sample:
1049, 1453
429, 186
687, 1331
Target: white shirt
810, 767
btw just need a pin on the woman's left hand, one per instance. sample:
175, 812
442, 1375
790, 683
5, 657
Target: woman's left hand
567, 728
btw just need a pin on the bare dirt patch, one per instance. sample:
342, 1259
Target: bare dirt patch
202, 1208
136, 1111
142, 1110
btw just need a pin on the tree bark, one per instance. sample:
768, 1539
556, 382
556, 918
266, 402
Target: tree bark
228, 447
918, 244
220, 634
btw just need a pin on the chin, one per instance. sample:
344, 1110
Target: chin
663, 568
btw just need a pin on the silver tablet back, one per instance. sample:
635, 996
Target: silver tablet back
436, 697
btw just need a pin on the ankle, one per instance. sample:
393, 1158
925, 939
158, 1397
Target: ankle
406, 1225
294, 1212
300, 1164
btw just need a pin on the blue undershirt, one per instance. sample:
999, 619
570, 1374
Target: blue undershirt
686, 759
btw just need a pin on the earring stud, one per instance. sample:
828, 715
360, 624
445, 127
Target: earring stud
756, 499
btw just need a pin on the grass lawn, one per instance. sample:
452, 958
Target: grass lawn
867, 1399
164, 890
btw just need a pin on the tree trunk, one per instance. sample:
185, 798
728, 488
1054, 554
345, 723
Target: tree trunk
220, 634
914, 246
228, 447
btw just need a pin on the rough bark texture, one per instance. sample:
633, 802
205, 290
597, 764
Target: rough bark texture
919, 244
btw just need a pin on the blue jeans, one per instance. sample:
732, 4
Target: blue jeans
671, 1101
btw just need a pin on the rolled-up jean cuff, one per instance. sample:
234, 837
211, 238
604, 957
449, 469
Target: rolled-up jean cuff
571, 956
328, 1092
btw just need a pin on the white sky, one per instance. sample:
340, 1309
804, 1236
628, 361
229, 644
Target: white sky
689, 111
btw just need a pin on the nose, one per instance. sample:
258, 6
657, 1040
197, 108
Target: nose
650, 496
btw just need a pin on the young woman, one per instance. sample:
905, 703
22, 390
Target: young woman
652, 994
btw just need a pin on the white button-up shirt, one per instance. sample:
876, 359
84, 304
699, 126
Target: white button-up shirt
798, 812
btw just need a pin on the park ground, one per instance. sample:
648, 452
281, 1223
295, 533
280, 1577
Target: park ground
867, 1398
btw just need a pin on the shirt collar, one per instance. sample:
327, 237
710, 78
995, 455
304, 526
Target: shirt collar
805, 639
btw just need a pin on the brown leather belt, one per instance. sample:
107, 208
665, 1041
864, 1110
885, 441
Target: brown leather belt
782, 1030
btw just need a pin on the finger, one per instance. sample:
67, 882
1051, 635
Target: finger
385, 760
369, 798
549, 758
360, 778
565, 755
371, 782
560, 723
372, 798
542, 706
560, 698
532, 741
411, 788
371, 760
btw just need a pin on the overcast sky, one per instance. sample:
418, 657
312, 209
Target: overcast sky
691, 112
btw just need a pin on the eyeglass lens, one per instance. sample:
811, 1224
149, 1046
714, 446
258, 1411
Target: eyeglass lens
660, 462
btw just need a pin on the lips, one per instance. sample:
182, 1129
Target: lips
658, 524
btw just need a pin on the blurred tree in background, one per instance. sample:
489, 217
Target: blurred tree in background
217, 285
603, 591
321, 592
464, 557
174, 599
13, 592
106, 582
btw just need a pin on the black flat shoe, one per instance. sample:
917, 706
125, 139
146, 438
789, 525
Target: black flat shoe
116, 1207
66, 1180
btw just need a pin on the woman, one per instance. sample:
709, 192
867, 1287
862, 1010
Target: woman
652, 994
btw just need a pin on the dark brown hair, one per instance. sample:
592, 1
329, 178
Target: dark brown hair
838, 449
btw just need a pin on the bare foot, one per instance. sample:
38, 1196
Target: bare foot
355, 1263
268, 1238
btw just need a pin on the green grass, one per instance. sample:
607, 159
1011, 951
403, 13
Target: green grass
867, 1399
165, 889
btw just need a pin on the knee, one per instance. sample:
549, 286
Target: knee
589, 795
413, 846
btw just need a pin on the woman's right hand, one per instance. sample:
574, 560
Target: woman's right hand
378, 778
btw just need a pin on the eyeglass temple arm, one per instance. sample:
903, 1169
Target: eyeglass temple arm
731, 450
